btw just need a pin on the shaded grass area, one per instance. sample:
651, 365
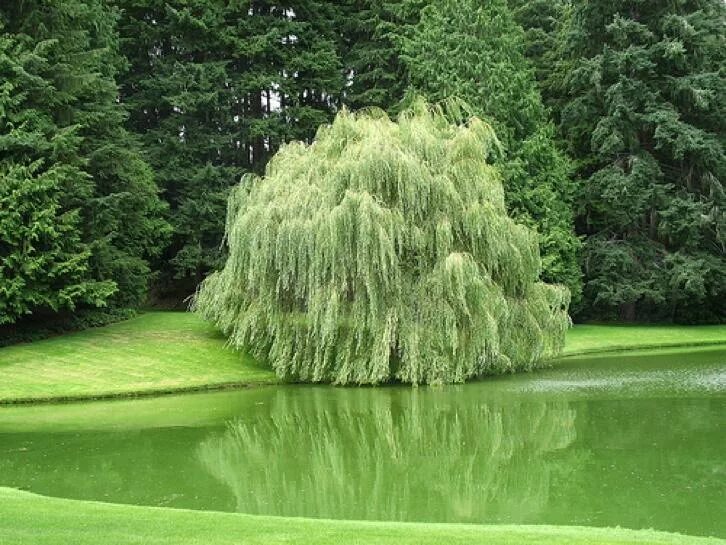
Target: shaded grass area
27, 518
152, 353
162, 352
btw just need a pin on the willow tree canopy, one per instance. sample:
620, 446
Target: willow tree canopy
383, 251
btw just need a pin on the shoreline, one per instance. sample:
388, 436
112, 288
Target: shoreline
91, 522
165, 353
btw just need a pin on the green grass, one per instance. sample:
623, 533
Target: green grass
154, 352
584, 339
161, 352
30, 519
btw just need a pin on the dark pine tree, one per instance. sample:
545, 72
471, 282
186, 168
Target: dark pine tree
371, 34
644, 115
79, 210
214, 89
543, 21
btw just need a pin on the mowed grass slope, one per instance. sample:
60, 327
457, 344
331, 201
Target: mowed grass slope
153, 352
587, 338
29, 519
175, 351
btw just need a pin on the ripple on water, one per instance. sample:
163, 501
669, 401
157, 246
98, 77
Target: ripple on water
640, 374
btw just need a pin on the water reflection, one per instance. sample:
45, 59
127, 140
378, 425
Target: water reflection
370, 455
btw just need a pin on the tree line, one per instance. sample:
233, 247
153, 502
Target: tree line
125, 123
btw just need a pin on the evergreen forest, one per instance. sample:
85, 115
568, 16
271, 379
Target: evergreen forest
125, 126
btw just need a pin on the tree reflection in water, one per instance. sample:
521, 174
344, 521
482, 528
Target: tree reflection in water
384, 454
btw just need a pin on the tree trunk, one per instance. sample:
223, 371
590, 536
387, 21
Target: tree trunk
627, 312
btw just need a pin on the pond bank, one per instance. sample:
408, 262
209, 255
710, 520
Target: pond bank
169, 352
27, 519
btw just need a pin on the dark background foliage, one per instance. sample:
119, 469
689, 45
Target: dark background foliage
124, 124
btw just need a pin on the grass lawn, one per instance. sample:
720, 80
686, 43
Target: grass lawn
174, 351
29, 519
153, 352
586, 338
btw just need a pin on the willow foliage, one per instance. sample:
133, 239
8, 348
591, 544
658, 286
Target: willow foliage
383, 251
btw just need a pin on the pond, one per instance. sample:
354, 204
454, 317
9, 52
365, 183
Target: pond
633, 440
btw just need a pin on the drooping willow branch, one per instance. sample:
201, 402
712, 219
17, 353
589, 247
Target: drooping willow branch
383, 251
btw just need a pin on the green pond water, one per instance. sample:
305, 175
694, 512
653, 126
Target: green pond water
634, 440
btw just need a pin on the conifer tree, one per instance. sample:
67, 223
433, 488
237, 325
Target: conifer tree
370, 45
383, 251
214, 89
79, 212
541, 21
475, 51
645, 118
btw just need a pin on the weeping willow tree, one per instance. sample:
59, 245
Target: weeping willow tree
383, 251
